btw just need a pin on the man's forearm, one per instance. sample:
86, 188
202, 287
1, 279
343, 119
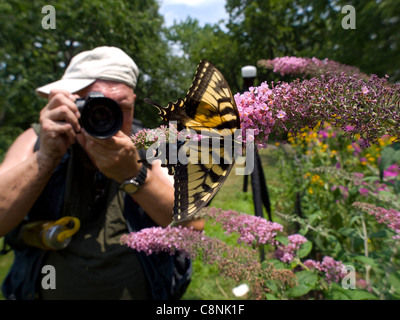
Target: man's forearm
20, 187
157, 199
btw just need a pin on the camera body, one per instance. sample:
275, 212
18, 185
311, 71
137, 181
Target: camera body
101, 117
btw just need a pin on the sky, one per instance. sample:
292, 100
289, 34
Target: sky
205, 11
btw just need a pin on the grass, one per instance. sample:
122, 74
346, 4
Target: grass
5, 264
206, 283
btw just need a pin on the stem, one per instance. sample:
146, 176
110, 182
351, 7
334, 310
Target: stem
221, 289
366, 253
298, 261
389, 270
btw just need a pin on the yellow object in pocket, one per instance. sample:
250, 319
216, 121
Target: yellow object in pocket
50, 235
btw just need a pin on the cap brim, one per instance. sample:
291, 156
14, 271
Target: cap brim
70, 85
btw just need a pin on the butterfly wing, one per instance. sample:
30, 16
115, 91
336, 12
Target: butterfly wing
210, 110
197, 182
209, 101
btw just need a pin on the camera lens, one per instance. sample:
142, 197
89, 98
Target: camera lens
101, 117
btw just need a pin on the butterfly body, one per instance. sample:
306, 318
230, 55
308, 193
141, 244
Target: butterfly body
208, 110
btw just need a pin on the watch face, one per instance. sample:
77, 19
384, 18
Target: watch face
130, 187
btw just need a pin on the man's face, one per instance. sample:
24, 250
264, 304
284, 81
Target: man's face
121, 93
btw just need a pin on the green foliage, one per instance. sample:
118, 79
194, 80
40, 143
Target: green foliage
390, 155
317, 202
260, 29
339, 293
308, 28
307, 281
31, 56
325, 174
210, 42
5, 264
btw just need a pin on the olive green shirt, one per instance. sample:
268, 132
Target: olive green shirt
95, 265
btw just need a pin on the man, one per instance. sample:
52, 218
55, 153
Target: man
89, 173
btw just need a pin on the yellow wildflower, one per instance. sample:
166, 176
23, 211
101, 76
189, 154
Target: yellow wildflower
315, 178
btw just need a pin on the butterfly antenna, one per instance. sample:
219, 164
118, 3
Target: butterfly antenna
153, 103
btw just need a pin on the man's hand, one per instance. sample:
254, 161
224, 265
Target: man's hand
116, 157
59, 122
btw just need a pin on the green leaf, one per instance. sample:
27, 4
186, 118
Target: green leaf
337, 292
367, 260
270, 296
271, 285
361, 295
394, 281
303, 231
379, 234
307, 277
370, 179
385, 193
307, 281
278, 264
305, 249
348, 232
298, 291
282, 239
313, 218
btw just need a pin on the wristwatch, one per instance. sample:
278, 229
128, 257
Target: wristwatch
133, 185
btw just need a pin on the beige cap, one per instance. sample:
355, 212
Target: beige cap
106, 63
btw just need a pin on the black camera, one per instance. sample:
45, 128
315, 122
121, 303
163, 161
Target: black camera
101, 117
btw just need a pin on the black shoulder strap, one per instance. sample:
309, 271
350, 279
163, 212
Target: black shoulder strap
36, 128
37, 145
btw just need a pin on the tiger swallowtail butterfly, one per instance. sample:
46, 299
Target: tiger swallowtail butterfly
210, 110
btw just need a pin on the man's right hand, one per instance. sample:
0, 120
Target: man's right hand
59, 121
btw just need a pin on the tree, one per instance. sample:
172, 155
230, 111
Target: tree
374, 46
210, 42
307, 28
265, 29
31, 56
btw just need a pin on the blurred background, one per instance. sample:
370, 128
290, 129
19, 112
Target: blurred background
168, 38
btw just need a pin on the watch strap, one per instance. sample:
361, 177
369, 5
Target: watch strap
138, 181
142, 175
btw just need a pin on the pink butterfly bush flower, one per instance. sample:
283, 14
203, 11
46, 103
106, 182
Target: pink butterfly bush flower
148, 137
391, 173
287, 253
237, 262
370, 107
252, 230
332, 269
306, 66
169, 239
390, 217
